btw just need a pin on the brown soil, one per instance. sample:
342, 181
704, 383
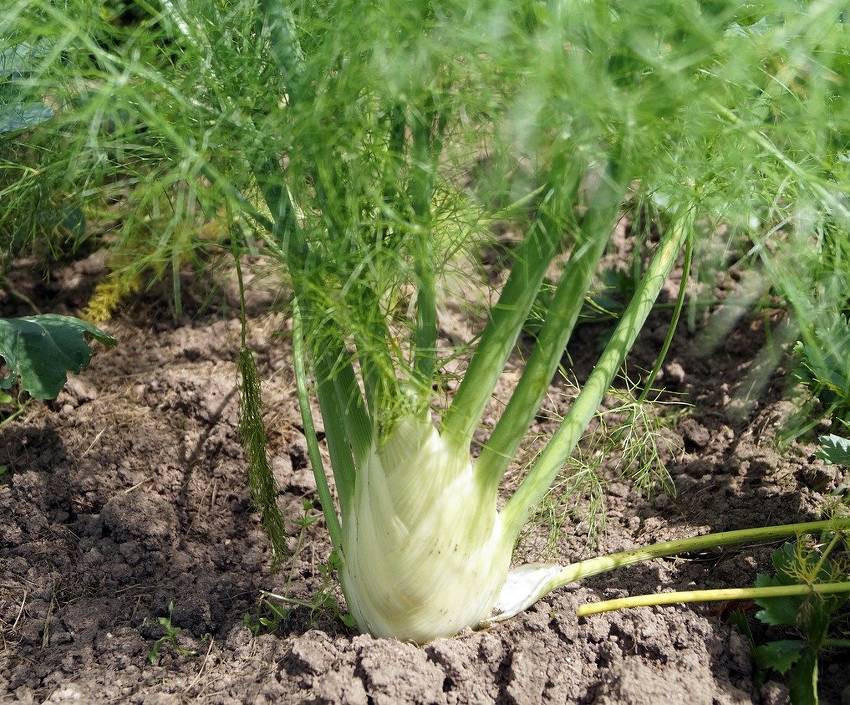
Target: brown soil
128, 494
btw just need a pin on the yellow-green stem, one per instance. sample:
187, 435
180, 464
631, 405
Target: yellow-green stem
722, 595
836, 643
553, 577
603, 564
315, 456
562, 444
823, 556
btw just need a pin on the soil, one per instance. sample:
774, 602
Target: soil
125, 518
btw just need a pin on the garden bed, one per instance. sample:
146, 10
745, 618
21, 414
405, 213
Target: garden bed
127, 497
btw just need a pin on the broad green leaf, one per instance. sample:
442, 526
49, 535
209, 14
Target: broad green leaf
779, 611
784, 559
779, 655
20, 116
39, 351
835, 449
22, 58
788, 611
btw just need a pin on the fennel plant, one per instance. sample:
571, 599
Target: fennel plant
364, 145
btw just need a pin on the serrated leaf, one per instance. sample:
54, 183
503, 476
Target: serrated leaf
23, 58
39, 351
784, 559
779, 655
834, 449
21, 116
778, 611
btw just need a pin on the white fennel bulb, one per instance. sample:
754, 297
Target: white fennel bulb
425, 552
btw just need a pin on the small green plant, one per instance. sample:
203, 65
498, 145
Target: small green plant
835, 450
39, 351
274, 610
169, 638
811, 619
630, 437
823, 365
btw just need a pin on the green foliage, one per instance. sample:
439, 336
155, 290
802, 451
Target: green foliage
362, 113
169, 638
16, 64
810, 616
39, 351
252, 433
835, 449
166, 111
823, 358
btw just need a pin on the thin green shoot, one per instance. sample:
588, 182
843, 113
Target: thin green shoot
715, 595
544, 579
169, 638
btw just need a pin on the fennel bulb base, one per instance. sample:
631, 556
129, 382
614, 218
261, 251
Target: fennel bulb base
425, 554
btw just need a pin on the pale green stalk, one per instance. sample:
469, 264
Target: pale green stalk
358, 424
528, 584
549, 347
334, 418
315, 456
674, 322
422, 187
718, 595
506, 320
561, 446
